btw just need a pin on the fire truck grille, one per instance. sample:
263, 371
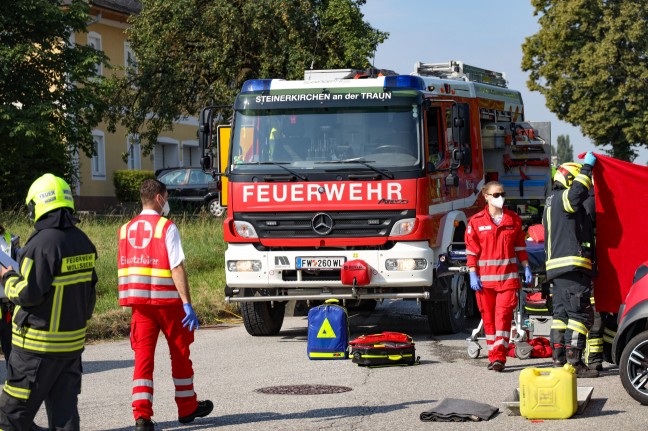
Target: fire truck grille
328, 224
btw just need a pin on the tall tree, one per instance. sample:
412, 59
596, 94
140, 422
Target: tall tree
564, 151
192, 53
50, 98
590, 61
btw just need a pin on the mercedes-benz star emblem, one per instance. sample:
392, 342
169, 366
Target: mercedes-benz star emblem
322, 224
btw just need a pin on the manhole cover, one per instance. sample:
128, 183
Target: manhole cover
303, 390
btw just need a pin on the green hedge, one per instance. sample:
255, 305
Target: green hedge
127, 184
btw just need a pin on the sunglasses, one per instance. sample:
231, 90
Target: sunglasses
496, 195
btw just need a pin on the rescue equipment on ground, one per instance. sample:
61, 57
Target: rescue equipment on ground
328, 331
548, 393
384, 349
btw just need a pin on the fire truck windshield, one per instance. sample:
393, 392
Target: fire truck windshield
388, 136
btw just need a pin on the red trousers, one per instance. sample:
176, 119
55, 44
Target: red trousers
146, 324
497, 314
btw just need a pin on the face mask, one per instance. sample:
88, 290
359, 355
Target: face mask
497, 202
165, 209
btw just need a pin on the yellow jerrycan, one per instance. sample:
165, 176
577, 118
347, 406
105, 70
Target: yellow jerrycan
548, 393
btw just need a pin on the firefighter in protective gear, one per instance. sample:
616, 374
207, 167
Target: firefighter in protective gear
569, 244
153, 282
494, 246
9, 244
54, 294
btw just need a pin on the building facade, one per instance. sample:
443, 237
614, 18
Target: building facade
107, 32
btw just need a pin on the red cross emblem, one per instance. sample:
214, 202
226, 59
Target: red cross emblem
140, 234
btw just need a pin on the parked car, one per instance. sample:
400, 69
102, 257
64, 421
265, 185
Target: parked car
630, 346
191, 187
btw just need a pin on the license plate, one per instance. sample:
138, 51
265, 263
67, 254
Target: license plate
320, 262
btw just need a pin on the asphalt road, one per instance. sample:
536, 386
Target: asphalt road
230, 366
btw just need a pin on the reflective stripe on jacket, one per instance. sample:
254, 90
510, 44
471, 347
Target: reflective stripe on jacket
496, 250
144, 271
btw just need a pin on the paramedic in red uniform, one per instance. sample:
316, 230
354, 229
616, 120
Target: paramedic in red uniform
153, 282
494, 246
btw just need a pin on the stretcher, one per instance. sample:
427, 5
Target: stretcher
521, 326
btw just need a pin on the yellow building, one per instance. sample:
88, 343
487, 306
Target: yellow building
96, 192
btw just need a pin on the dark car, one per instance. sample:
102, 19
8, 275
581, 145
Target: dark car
191, 187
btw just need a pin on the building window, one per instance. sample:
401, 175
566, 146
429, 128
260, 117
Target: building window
99, 159
129, 57
134, 152
94, 40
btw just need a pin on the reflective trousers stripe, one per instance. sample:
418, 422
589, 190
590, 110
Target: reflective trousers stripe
137, 396
558, 324
143, 382
577, 327
184, 394
15, 392
183, 382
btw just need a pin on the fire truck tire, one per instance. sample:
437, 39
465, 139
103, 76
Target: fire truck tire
633, 367
448, 315
262, 318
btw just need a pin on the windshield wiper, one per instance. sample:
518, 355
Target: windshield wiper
280, 164
360, 162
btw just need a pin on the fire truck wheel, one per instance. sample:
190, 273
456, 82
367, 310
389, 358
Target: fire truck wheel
262, 318
633, 367
447, 316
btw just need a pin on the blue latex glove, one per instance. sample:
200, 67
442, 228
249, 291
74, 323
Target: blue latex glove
528, 277
475, 282
190, 318
590, 158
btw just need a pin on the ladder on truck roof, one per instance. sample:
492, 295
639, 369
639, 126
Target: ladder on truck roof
461, 71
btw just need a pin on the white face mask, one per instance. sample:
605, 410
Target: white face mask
165, 209
497, 202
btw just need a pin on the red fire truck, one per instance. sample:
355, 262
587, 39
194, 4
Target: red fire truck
371, 170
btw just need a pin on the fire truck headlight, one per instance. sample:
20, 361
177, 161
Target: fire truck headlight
403, 227
405, 264
244, 265
245, 229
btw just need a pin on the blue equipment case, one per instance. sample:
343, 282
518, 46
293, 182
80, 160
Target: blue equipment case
328, 332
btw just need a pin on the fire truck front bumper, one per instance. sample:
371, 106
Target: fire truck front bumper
406, 268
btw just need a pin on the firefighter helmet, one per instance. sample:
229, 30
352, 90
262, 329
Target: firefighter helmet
48, 193
566, 173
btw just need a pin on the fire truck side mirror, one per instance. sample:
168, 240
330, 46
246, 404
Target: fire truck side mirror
205, 163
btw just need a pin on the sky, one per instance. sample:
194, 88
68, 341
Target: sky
483, 33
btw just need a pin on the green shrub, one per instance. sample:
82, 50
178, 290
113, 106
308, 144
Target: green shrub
127, 184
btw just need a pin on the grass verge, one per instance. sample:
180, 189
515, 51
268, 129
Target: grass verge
202, 241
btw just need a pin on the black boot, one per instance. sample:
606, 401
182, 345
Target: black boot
558, 355
574, 357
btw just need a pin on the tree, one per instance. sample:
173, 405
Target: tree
564, 151
590, 61
50, 95
193, 53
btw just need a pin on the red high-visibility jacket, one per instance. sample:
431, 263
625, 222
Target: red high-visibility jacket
143, 263
496, 250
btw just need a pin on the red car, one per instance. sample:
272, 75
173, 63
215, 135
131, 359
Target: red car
630, 346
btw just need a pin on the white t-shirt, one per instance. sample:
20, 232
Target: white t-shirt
173, 243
